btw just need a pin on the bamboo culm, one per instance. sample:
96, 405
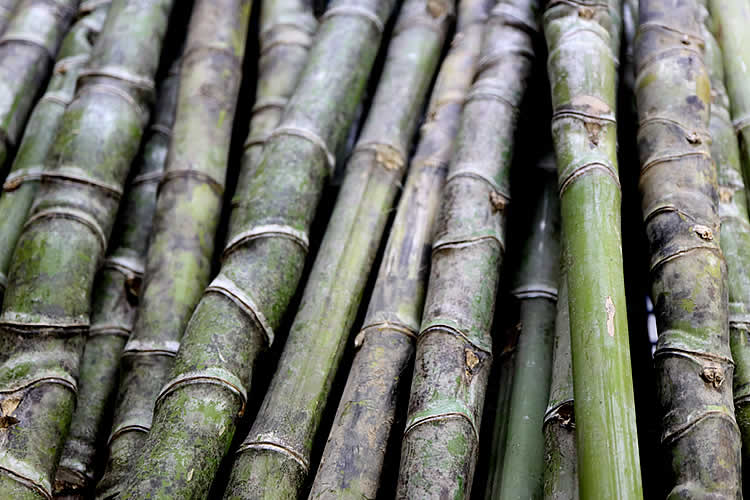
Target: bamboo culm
22, 182
7, 7
678, 184
45, 316
453, 353
178, 260
271, 215
354, 455
115, 302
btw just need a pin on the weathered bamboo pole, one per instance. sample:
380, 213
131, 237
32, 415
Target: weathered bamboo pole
22, 182
46, 312
688, 273
454, 346
353, 458
583, 37
178, 260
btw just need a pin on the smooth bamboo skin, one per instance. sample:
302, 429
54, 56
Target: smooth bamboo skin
283, 432
583, 37
22, 182
178, 260
115, 301
7, 7
28, 48
560, 455
536, 289
689, 284
46, 312
453, 353
353, 458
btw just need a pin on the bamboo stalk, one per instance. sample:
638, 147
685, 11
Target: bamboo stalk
274, 458
198, 409
116, 292
23, 180
583, 37
688, 272
453, 353
28, 48
46, 312
352, 462
561, 457
178, 260
6, 12
536, 288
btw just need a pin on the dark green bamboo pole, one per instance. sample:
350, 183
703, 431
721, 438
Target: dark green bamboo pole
115, 302
197, 410
688, 273
536, 288
6, 12
561, 457
274, 458
46, 311
178, 261
583, 37
453, 354
28, 48
23, 180
354, 455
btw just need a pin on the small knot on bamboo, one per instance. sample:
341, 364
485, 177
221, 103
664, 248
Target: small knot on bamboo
713, 375
694, 138
498, 202
704, 232
7, 407
586, 13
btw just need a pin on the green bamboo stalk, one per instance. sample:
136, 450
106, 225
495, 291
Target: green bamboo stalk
352, 462
536, 289
583, 37
561, 457
115, 302
28, 48
46, 312
7, 7
274, 458
454, 346
198, 409
679, 199
178, 261
23, 180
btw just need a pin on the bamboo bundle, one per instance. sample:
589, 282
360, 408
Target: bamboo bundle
353, 459
688, 272
453, 354
178, 260
45, 315
22, 182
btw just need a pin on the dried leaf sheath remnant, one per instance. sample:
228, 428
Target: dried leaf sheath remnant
454, 347
688, 273
178, 261
46, 311
583, 37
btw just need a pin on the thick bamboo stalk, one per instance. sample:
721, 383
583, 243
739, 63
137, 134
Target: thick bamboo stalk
453, 354
536, 288
28, 48
688, 273
115, 302
7, 7
198, 409
583, 37
178, 260
23, 180
274, 459
354, 455
46, 312
561, 457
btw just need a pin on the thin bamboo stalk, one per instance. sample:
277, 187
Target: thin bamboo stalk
688, 272
453, 354
46, 312
178, 260
354, 455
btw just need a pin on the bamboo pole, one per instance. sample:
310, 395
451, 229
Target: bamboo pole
178, 260
6, 12
453, 354
354, 455
45, 315
679, 199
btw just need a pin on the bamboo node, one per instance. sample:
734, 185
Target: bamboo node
713, 375
353, 10
704, 232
